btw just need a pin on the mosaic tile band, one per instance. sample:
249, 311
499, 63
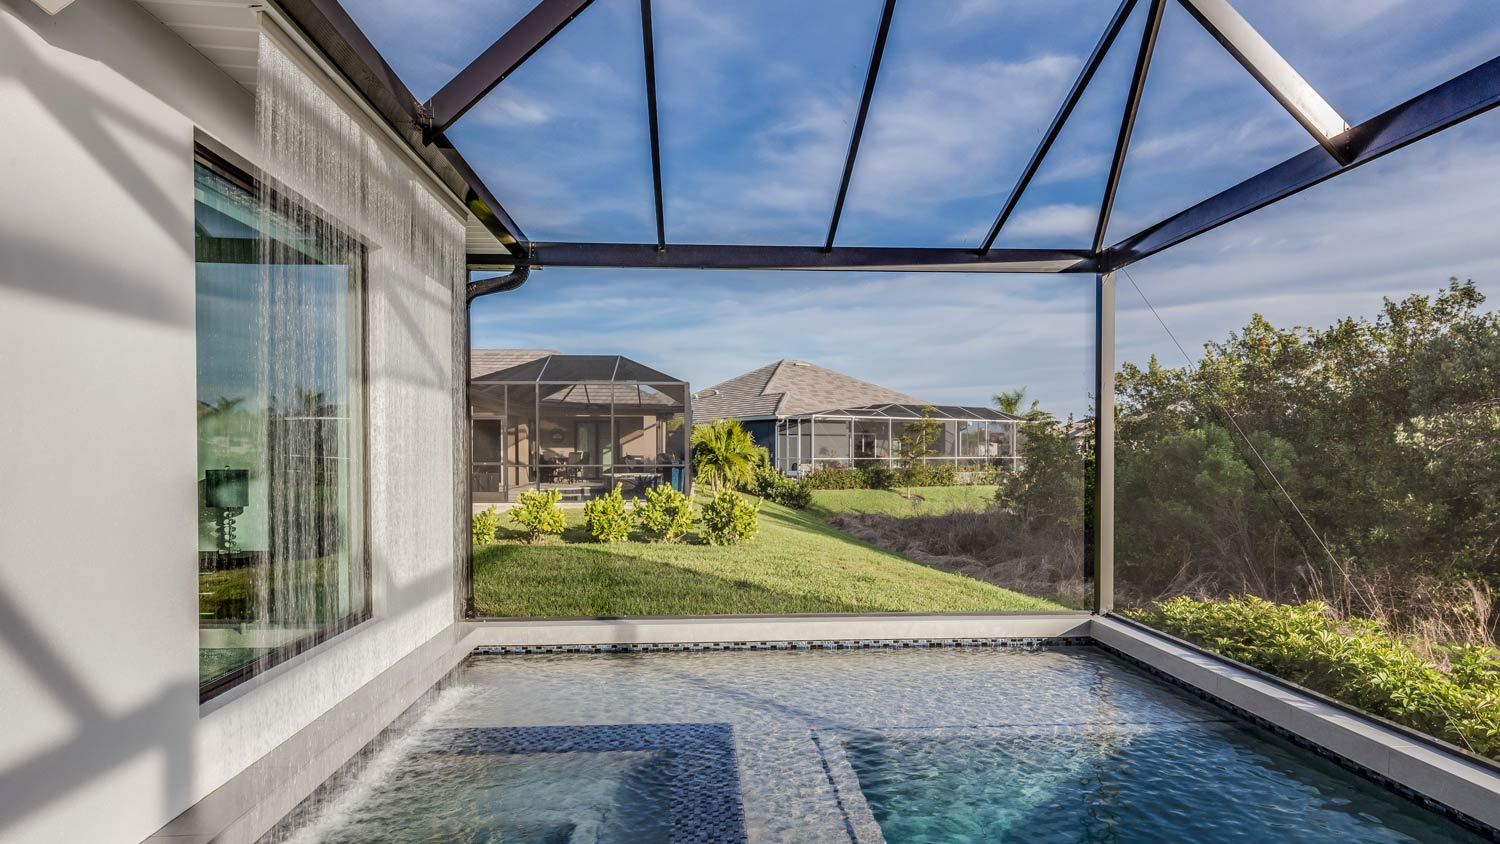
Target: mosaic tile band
1028, 643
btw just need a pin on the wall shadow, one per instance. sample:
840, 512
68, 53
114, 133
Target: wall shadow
101, 742
95, 122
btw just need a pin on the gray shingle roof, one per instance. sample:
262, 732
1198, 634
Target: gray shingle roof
485, 361
789, 388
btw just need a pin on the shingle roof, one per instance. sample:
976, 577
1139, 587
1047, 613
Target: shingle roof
578, 369
789, 388
485, 361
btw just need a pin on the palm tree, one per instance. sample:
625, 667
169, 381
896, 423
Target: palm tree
724, 453
1010, 401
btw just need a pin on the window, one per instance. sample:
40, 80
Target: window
280, 330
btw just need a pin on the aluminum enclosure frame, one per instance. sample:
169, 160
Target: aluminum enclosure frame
331, 29
1339, 148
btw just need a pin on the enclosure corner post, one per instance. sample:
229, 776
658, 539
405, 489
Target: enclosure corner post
464, 470
1104, 446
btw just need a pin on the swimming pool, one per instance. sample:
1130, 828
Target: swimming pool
905, 746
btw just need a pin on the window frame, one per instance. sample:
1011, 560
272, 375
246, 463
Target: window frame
360, 543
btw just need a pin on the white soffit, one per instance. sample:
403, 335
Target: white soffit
224, 31
227, 33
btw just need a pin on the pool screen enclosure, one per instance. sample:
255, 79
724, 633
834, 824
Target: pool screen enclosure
578, 424
1336, 147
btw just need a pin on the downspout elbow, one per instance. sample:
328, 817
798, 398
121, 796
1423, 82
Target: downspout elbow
517, 277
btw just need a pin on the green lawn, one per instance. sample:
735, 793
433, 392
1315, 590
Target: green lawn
796, 564
936, 500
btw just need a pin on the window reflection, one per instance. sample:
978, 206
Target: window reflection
280, 428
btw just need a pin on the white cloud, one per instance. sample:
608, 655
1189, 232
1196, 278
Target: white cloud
1061, 220
1398, 226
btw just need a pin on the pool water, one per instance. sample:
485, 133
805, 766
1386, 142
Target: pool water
914, 746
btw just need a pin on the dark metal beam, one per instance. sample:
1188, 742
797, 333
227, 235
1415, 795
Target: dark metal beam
1273, 72
648, 49
1127, 123
481, 203
1085, 76
1450, 103
1103, 558
859, 121
498, 61
734, 257
330, 28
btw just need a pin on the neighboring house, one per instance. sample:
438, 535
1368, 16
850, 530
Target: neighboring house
580, 424
485, 361
811, 417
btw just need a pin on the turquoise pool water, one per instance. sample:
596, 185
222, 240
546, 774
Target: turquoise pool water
853, 747
1201, 782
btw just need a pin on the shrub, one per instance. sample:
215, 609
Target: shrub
836, 479
794, 494
665, 514
538, 513
485, 524
989, 475
1455, 696
728, 519
769, 483
926, 474
606, 518
879, 477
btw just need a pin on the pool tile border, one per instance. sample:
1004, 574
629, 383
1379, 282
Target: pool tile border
1029, 643
706, 805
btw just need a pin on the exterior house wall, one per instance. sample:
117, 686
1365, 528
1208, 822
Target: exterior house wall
104, 739
763, 431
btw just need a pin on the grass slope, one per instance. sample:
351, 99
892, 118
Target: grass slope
936, 500
796, 564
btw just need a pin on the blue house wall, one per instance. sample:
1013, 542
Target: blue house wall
764, 432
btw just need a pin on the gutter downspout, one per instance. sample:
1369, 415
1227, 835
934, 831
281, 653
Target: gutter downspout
473, 290
504, 283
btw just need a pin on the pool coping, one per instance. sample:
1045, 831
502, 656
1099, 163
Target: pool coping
1462, 789
253, 802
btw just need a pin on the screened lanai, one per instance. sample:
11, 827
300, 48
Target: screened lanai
969, 438
580, 424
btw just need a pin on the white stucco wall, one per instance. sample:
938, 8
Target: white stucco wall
102, 738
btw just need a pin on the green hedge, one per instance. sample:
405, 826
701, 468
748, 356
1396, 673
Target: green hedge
770, 484
933, 474
1453, 693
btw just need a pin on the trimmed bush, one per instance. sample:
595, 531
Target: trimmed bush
665, 514
926, 474
728, 519
1454, 695
538, 513
485, 524
606, 518
879, 477
837, 479
771, 484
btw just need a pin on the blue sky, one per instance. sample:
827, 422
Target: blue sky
757, 100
